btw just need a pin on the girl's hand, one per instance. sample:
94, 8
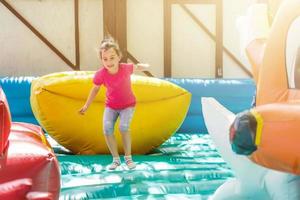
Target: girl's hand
83, 110
142, 66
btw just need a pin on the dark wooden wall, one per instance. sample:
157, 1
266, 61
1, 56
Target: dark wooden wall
115, 22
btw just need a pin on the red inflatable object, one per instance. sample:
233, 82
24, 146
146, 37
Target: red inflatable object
5, 121
16, 189
39, 196
26, 153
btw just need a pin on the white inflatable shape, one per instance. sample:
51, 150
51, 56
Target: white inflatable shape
253, 25
292, 53
252, 181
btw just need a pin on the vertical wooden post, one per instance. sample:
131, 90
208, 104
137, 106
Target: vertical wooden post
219, 40
115, 23
167, 38
77, 38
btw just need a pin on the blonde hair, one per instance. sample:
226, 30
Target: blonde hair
108, 43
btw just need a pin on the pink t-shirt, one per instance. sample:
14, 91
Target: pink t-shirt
119, 94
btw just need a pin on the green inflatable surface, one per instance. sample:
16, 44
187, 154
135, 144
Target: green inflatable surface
187, 166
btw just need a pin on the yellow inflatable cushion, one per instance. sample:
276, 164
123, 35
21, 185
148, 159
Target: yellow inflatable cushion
56, 98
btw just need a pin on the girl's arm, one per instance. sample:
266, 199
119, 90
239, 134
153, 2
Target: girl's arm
90, 99
142, 67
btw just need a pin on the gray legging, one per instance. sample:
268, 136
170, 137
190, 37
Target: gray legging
110, 117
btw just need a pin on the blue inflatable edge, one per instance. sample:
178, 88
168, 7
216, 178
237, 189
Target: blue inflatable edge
235, 94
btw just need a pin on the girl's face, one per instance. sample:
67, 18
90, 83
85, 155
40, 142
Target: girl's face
110, 59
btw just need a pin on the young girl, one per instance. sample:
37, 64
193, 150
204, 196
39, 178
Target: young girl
120, 100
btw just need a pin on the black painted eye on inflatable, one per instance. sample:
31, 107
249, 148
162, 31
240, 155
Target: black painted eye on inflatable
242, 133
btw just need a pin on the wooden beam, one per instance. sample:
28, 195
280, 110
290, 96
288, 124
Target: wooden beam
108, 18
121, 26
77, 38
38, 34
219, 40
115, 22
167, 39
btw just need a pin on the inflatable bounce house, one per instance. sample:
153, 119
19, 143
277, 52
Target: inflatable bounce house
28, 166
168, 165
49, 151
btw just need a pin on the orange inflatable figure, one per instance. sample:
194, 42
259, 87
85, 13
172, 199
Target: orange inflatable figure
270, 133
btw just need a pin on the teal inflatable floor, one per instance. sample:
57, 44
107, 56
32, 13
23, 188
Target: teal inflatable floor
187, 166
